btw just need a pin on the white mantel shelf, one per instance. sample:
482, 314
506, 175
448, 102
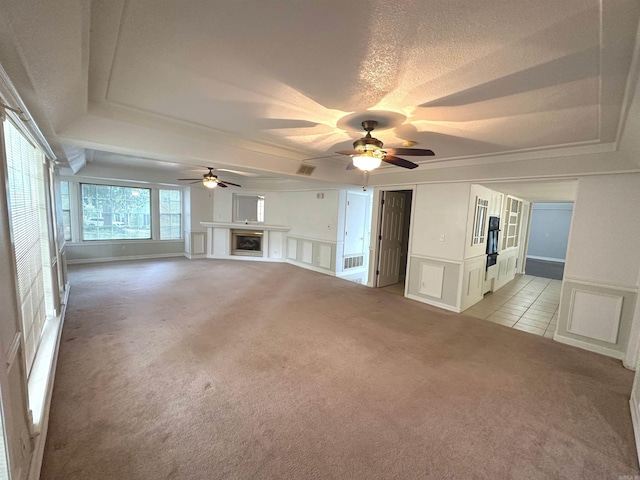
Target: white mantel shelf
246, 226
219, 240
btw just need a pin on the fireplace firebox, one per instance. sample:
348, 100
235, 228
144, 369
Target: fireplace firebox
246, 242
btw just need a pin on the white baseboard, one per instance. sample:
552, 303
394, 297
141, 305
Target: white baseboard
609, 352
40, 439
195, 256
444, 306
123, 258
244, 258
353, 272
310, 267
547, 259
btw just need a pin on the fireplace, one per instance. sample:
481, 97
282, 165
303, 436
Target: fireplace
246, 242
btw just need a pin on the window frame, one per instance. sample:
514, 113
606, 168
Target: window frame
69, 237
81, 210
171, 214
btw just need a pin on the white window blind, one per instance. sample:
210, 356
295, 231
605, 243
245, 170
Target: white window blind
28, 219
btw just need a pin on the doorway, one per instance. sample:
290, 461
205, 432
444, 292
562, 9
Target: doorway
393, 240
548, 239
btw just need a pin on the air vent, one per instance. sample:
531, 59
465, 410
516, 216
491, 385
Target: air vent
305, 169
353, 262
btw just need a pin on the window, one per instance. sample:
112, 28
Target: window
481, 215
111, 212
170, 214
66, 209
248, 208
30, 232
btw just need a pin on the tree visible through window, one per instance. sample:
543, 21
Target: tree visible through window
110, 212
170, 214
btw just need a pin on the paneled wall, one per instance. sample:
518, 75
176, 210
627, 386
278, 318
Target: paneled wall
198, 207
437, 247
600, 284
88, 252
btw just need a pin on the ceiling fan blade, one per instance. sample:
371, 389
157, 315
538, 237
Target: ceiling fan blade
351, 166
400, 162
220, 182
197, 181
416, 152
348, 152
188, 179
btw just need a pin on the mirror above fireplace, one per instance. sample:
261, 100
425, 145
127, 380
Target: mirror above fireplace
248, 208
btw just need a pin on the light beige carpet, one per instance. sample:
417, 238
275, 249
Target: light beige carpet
177, 369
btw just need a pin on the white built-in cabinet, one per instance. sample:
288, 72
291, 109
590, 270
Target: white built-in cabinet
511, 225
495, 204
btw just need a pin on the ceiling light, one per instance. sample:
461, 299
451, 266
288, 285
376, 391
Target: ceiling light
209, 183
366, 161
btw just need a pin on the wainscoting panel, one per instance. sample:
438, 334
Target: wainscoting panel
316, 255
506, 268
307, 252
195, 244
221, 241
431, 280
595, 315
441, 283
198, 243
473, 278
276, 243
325, 256
112, 250
292, 248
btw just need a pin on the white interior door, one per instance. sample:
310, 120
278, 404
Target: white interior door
355, 224
390, 238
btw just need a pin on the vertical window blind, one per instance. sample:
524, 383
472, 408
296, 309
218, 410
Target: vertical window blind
28, 219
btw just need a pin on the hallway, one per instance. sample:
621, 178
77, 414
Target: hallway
527, 303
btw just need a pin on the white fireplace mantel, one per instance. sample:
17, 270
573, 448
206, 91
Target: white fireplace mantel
246, 226
219, 240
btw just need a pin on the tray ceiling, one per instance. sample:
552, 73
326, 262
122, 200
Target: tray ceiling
268, 84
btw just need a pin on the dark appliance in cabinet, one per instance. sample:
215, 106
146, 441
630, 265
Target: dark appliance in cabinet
493, 236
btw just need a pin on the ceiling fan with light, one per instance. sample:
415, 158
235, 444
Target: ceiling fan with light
367, 153
210, 180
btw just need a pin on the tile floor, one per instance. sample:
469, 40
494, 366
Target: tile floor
527, 303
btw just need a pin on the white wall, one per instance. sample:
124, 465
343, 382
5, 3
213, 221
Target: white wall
306, 214
198, 207
606, 226
439, 220
549, 232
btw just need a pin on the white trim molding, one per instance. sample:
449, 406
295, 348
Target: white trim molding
597, 316
441, 305
589, 346
79, 261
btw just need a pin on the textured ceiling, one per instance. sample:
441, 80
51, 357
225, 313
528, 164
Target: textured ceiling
466, 78
264, 85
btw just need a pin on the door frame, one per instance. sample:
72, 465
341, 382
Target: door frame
376, 225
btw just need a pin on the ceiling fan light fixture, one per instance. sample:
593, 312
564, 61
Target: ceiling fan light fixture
209, 183
366, 163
